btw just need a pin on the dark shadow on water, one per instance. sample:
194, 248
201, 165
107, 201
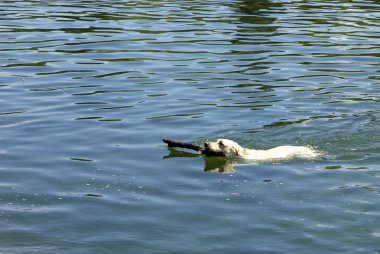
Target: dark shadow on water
173, 153
211, 164
255, 11
255, 6
257, 23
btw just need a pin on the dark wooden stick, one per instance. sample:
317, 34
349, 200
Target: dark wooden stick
172, 143
206, 152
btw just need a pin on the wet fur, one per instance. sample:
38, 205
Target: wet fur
233, 149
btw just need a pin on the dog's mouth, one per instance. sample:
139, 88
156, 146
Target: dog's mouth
213, 153
210, 152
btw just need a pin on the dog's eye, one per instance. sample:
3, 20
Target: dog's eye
221, 143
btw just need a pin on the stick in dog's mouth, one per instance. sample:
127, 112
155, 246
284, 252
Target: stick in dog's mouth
229, 148
206, 150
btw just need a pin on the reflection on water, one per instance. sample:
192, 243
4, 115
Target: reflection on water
256, 14
211, 164
88, 88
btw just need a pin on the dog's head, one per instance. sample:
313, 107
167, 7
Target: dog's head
226, 146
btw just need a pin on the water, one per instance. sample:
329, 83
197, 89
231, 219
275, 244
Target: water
89, 88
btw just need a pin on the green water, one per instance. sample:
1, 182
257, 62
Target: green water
89, 88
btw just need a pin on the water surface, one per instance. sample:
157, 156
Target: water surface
89, 88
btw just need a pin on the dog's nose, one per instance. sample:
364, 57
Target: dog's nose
206, 145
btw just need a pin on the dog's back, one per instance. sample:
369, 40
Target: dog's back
283, 153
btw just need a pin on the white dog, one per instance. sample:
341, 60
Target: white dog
231, 148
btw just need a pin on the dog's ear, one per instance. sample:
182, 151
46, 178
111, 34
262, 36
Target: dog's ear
237, 151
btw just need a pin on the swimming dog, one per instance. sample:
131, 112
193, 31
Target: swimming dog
233, 149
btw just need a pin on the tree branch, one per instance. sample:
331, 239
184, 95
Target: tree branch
172, 143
